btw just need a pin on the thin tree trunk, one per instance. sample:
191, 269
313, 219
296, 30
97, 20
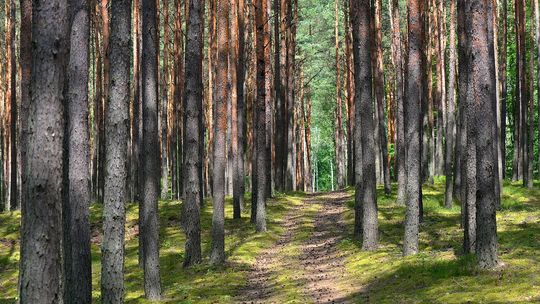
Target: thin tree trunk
233, 72
290, 169
150, 163
518, 170
241, 105
339, 140
413, 119
104, 96
269, 112
440, 96
530, 110
379, 96
451, 110
13, 197
350, 96
25, 64
399, 100
260, 115
220, 130
503, 85
164, 104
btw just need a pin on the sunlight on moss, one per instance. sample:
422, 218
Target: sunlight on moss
439, 274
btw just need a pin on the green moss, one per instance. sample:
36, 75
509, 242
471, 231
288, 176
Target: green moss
440, 274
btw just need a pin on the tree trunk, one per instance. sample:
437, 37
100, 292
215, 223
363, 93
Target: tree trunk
451, 110
25, 64
350, 96
115, 196
241, 105
13, 197
104, 96
260, 116
379, 96
530, 107
518, 162
41, 232
77, 259
150, 163
339, 140
192, 128
233, 73
269, 112
360, 14
413, 120
164, 104
503, 85
440, 94
220, 130
481, 118
399, 89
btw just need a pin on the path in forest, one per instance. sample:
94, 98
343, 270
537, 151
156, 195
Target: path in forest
305, 263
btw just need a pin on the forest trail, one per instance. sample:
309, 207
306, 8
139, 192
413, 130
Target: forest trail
305, 263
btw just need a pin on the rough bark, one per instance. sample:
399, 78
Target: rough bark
150, 163
350, 96
13, 179
241, 106
269, 111
451, 110
504, 84
339, 133
233, 72
116, 125
290, 173
220, 130
164, 102
519, 111
413, 120
25, 52
77, 259
379, 95
260, 116
481, 118
192, 129
41, 232
366, 197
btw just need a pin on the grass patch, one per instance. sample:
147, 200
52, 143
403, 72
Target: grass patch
201, 284
440, 273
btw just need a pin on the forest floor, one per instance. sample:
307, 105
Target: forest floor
308, 255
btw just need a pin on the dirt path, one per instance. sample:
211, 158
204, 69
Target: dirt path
299, 267
322, 262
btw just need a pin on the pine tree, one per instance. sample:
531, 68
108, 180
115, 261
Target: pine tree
41, 232
77, 259
414, 93
192, 129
